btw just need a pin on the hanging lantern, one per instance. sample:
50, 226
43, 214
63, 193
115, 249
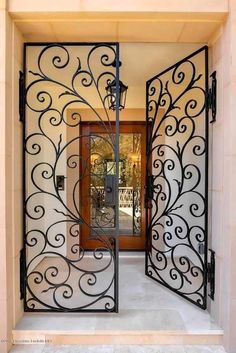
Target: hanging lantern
111, 92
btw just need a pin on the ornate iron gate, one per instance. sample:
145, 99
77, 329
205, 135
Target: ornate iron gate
176, 196
65, 86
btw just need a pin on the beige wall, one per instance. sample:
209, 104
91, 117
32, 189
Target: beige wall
11, 185
17, 172
159, 6
223, 185
6, 272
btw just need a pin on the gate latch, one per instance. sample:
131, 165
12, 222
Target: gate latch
60, 182
211, 97
211, 274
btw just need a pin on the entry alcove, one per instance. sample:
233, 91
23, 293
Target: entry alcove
140, 59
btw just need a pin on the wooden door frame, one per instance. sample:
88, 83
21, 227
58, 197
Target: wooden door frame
126, 242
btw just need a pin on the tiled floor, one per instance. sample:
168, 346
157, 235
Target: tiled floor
116, 349
144, 304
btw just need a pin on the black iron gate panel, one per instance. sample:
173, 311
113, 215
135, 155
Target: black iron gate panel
65, 85
176, 195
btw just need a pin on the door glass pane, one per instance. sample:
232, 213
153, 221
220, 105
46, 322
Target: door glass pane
102, 210
102, 185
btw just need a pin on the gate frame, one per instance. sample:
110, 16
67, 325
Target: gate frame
22, 111
207, 269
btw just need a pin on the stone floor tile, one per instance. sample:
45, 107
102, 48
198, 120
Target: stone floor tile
27, 348
115, 349
144, 304
78, 349
204, 349
148, 349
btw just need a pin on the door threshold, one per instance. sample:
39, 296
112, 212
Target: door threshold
132, 253
107, 337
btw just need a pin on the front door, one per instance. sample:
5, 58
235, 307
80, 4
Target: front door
132, 168
63, 84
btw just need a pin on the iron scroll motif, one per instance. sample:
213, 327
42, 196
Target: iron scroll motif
177, 153
63, 82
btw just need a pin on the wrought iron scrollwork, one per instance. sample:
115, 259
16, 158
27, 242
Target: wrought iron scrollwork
177, 121
62, 83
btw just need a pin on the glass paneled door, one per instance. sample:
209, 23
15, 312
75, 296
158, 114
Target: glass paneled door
64, 84
132, 165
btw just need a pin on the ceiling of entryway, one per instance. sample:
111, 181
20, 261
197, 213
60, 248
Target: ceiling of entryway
127, 31
122, 27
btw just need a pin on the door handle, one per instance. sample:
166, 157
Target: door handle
110, 187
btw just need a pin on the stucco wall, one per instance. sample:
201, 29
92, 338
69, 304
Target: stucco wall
6, 272
17, 173
10, 175
223, 186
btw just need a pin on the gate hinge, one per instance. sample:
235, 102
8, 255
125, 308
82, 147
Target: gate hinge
211, 274
211, 97
22, 274
22, 96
